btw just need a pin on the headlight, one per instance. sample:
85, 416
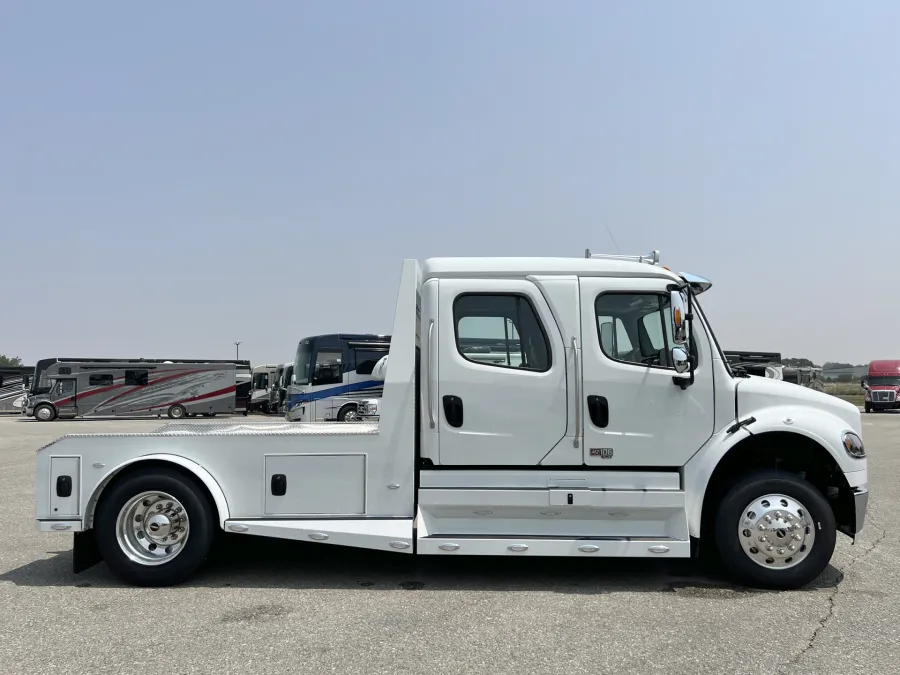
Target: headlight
853, 445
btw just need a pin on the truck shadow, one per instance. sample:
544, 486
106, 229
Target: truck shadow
300, 565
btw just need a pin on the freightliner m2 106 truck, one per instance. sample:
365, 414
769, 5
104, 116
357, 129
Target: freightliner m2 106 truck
606, 423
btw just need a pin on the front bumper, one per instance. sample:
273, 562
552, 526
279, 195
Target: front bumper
886, 405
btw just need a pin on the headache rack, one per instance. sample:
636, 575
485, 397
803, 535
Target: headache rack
651, 258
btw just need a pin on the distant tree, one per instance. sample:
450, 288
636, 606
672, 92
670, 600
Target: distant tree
835, 365
798, 363
13, 361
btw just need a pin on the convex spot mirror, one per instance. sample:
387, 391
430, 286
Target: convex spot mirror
678, 302
680, 360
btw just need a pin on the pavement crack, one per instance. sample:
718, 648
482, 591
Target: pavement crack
831, 600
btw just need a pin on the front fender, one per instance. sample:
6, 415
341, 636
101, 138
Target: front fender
820, 426
199, 472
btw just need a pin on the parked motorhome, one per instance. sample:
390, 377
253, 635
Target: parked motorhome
588, 447
14, 381
331, 373
284, 384
262, 382
243, 381
70, 387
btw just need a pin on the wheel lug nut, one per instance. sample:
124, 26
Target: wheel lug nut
159, 507
789, 517
168, 505
762, 527
778, 514
763, 537
797, 537
792, 547
768, 518
781, 551
770, 547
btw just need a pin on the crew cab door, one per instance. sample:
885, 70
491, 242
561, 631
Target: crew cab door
500, 375
633, 412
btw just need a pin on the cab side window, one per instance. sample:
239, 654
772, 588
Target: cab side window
634, 328
329, 367
500, 330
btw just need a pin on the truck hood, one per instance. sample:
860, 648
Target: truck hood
754, 393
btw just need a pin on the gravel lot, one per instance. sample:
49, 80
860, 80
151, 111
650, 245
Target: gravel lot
283, 607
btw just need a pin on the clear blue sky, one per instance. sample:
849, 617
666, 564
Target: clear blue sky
176, 177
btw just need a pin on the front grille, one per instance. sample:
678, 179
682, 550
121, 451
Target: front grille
884, 396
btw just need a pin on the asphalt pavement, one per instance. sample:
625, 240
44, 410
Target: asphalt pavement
265, 606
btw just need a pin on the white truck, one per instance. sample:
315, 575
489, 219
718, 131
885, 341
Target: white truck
613, 427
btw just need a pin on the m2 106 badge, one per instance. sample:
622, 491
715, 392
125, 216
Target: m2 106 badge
602, 453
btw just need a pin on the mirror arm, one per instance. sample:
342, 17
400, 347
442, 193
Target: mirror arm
684, 383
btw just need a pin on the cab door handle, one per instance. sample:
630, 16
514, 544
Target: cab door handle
598, 409
453, 410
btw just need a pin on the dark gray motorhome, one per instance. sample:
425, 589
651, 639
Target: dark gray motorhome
78, 387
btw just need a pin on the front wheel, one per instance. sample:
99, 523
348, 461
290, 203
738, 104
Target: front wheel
155, 528
868, 408
775, 530
348, 414
177, 412
45, 413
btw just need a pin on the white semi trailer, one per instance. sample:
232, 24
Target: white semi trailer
612, 426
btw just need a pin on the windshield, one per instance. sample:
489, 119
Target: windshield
301, 363
40, 383
884, 381
286, 380
260, 380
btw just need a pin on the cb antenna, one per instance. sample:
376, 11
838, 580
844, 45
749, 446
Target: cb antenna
613, 239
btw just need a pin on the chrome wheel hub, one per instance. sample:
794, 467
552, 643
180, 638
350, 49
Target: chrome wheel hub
152, 528
44, 413
776, 531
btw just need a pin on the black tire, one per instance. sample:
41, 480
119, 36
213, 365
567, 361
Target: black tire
198, 506
343, 412
730, 512
177, 412
51, 415
868, 408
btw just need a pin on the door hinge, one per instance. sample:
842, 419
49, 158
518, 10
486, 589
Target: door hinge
740, 423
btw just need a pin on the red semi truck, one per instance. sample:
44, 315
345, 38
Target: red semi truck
882, 385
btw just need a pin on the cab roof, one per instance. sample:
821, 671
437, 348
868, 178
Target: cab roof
486, 267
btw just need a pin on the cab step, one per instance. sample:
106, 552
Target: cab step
600, 547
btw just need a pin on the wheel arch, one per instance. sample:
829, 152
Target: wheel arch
790, 451
182, 464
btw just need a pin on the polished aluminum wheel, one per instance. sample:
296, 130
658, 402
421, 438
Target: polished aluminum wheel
776, 531
152, 528
177, 411
44, 413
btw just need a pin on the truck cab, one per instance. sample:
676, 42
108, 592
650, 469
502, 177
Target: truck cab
882, 385
571, 407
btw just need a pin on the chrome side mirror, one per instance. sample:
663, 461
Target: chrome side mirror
680, 360
678, 303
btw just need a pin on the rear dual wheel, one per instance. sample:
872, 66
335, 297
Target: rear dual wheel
155, 528
775, 530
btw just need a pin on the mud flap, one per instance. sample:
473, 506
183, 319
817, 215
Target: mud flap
85, 553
